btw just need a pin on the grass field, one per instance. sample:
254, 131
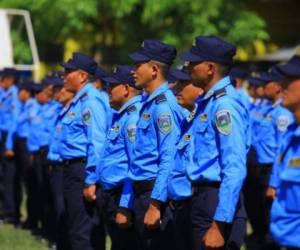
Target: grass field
16, 239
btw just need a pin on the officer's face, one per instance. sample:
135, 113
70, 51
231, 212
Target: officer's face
271, 90
186, 94
260, 92
74, 80
7, 82
41, 97
117, 94
200, 73
291, 95
143, 75
64, 96
23, 95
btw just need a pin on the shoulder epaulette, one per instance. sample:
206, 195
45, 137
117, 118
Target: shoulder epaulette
131, 109
220, 92
161, 98
83, 96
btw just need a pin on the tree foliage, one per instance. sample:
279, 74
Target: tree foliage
118, 26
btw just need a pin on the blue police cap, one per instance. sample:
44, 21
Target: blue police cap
37, 87
295, 59
238, 72
25, 85
178, 75
271, 76
288, 70
81, 61
10, 72
210, 48
100, 74
256, 81
155, 50
121, 74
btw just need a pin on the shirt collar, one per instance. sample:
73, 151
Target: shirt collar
161, 89
132, 101
224, 82
82, 91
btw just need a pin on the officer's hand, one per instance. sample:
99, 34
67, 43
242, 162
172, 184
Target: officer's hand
152, 217
213, 239
9, 153
124, 218
89, 193
271, 193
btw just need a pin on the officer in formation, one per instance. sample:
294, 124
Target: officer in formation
150, 152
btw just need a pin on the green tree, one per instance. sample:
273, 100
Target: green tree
117, 27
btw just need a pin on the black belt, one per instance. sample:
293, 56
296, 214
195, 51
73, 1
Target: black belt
74, 160
143, 186
200, 186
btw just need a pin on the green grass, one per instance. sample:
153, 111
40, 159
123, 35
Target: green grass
16, 239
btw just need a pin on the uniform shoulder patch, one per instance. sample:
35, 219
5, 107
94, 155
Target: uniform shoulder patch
282, 122
131, 132
161, 98
86, 116
220, 92
131, 109
223, 122
164, 122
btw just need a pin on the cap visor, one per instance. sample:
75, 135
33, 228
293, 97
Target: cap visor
112, 80
69, 65
289, 70
190, 57
139, 57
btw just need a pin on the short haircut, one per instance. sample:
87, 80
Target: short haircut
163, 67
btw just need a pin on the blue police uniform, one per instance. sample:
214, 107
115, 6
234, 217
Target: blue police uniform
10, 111
85, 123
113, 171
153, 155
285, 213
217, 166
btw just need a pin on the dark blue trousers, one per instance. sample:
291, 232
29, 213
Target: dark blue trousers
203, 205
159, 239
121, 239
182, 227
56, 185
83, 224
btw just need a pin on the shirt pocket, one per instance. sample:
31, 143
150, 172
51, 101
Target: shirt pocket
291, 188
144, 124
113, 135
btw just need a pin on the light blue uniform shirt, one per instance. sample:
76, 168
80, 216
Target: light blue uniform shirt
53, 153
85, 123
285, 212
220, 145
158, 129
23, 121
10, 111
270, 128
36, 126
50, 112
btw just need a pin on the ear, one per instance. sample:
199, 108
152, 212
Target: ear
83, 76
127, 89
211, 67
155, 70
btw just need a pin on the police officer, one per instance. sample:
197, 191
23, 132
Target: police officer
285, 213
179, 186
153, 154
217, 163
238, 76
113, 166
98, 81
56, 172
84, 125
10, 111
36, 135
271, 126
